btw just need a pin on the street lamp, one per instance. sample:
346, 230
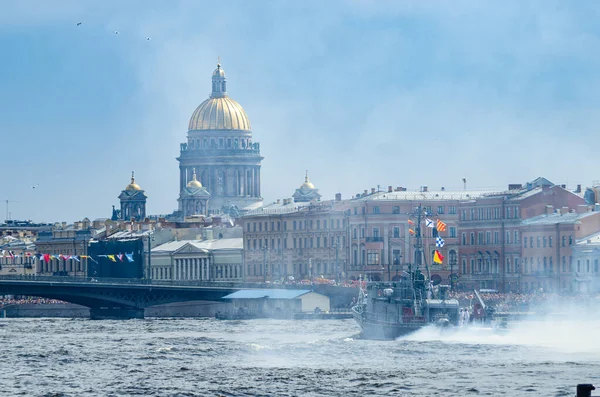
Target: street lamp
149, 271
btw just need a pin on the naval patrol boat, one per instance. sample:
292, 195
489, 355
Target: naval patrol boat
387, 310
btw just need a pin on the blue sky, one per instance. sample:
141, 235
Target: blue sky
360, 93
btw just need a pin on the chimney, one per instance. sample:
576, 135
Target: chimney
278, 201
564, 210
365, 192
399, 189
372, 190
549, 209
390, 189
424, 189
443, 189
338, 197
578, 189
563, 186
515, 186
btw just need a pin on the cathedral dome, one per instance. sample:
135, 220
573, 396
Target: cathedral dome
219, 112
133, 185
307, 184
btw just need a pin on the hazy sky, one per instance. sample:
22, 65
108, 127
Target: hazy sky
360, 93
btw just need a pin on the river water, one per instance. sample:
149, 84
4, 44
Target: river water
206, 357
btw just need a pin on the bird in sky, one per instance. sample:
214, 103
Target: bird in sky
78, 23
116, 32
147, 38
35, 186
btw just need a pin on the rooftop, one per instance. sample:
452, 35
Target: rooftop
209, 245
267, 293
554, 218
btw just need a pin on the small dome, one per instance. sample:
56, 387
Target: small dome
218, 71
133, 185
307, 184
194, 183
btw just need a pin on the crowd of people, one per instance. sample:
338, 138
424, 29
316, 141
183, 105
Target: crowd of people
519, 302
6, 301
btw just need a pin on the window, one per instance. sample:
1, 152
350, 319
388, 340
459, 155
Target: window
311, 223
507, 237
564, 263
354, 233
260, 226
570, 240
587, 265
324, 242
480, 240
452, 231
539, 240
373, 257
254, 244
452, 210
564, 241
248, 226
524, 242
464, 266
355, 211
488, 237
472, 238
338, 224
362, 232
516, 237
596, 265
294, 225
376, 232
428, 210
318, 242
254, 226
376, 209
440, 209
530, 242
464, 239
396, 255
396, 209
318, 224
285, 243
396, 232
544, 242
284, 225
364, 210
272, 226
578, 266
550, 241
311, 242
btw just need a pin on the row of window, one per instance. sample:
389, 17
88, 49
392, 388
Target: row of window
306, 242
296, 225
395, 232
488, 237
543, 242
487, 213
299, 270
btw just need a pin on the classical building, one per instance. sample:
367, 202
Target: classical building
198, 260
193, 199
61, 243
133, 201
491, 235
306, 192
300, 240
219, 148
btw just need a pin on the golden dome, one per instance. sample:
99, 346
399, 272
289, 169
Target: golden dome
219, 112
194, 183
133, 185
307, 184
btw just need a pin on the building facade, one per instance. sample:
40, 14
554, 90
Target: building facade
220, 150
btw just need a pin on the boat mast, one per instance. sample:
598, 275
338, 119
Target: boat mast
419, 254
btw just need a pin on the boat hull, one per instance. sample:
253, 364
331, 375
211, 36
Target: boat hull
384, 330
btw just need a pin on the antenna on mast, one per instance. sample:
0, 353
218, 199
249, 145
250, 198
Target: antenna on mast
464, 181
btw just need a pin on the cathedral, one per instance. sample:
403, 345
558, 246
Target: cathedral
219, 165
133, 202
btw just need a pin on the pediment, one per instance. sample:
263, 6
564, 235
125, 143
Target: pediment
190, 248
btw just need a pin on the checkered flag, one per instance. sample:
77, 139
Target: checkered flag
439, 242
